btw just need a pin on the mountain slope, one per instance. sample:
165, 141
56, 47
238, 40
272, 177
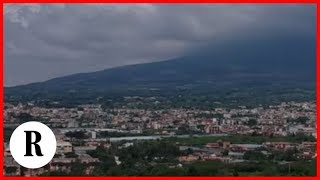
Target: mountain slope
282, 60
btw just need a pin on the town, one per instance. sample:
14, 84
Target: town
103, 140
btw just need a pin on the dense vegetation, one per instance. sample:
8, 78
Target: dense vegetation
205, 97
158, 158
7, 133
240, 139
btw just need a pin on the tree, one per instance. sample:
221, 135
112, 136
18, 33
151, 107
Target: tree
25, 117
254, 155
10, 170
77, 134
70, 155
78, 169
192, 171
252, 122
302, 120
225, 152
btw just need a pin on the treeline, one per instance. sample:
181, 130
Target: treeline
242, 139
198, 98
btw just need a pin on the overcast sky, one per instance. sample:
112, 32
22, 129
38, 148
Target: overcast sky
47, 41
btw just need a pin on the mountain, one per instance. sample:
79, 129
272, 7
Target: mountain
284, 60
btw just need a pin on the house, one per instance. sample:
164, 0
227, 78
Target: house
211, 129
188, 158
212, 145
63, 147
245, 147
278, 145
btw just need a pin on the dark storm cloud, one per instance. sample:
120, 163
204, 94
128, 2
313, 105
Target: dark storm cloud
42, 42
